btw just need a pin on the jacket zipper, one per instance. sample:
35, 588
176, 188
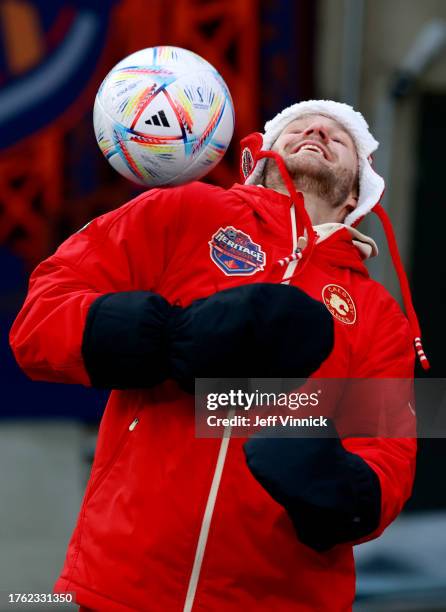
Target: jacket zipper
222, 453
133, 424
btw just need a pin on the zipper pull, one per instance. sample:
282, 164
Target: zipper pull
133, 424
302, 242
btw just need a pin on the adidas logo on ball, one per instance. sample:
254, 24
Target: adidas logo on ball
158, 119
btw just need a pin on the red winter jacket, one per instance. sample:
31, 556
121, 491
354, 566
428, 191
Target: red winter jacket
155, 489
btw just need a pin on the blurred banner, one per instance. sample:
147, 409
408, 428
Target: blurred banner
64, 42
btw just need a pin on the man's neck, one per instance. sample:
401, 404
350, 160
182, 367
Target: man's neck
318, 209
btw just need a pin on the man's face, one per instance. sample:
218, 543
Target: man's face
320, 156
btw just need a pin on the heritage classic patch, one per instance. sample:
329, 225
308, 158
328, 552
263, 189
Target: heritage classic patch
235, 253
339, 303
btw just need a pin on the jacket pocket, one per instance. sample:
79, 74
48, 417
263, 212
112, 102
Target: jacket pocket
99, 476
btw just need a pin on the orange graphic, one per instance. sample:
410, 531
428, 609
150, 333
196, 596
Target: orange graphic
19, 23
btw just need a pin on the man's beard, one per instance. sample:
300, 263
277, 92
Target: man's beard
310, 176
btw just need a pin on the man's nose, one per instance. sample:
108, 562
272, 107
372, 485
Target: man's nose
317, 130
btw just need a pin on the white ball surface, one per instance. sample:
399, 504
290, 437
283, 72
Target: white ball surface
163, 116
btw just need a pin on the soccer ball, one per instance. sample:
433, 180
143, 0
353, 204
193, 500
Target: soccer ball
163, 116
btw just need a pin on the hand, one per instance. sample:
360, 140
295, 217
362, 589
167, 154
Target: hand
330, 494
136, 339
257, 330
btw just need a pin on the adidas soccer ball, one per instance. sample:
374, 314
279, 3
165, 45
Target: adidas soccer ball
163, 116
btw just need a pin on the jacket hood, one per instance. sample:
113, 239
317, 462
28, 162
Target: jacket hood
366, 246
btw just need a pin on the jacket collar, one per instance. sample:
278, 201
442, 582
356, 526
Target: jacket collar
365, 245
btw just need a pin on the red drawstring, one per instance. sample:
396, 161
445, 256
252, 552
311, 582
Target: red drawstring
302, 215
404, 284
286, 260
251, 153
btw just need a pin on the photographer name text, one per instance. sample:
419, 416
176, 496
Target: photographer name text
269, 421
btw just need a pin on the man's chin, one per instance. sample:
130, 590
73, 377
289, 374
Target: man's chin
313, 167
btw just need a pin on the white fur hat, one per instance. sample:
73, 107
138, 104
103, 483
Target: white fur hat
371, 185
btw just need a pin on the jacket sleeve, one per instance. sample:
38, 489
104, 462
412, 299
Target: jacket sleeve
388, 354
121, 251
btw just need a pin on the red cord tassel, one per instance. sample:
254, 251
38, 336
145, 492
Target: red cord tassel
404, 284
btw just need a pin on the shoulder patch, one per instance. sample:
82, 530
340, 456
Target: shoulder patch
340, 303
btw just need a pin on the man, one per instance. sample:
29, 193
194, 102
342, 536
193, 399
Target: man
200, 281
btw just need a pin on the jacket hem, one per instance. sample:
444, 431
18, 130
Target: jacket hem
90, 599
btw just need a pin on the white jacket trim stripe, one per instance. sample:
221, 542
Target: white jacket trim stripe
207, 518
289, 271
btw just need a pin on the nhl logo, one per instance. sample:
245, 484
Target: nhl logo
247, 162
340, 304
235, 253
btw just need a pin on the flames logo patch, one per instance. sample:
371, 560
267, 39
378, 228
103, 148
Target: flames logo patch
339, 303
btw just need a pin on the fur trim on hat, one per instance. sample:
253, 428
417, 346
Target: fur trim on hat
371, 185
